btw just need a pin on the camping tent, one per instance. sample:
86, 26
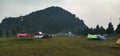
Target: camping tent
95, 37
70, 34
91, 36
100, 37
118, 41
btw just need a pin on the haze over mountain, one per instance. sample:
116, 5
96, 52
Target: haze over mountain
50, 20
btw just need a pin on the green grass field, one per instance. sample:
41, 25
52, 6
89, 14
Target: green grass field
59, 46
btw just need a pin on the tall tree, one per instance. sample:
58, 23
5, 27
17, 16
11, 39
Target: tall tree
97, 30
118, 29
102, 30
110, 29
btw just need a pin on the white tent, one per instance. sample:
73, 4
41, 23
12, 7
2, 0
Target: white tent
70, 34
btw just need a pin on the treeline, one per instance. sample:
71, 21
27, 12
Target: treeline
101, 30
97, 30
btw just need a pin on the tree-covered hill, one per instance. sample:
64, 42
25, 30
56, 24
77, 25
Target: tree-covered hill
50, 20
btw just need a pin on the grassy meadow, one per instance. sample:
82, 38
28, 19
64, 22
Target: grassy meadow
59, 46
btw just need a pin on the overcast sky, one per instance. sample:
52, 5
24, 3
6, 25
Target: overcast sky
93, 12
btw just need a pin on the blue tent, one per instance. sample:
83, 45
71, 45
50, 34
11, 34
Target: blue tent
100, 37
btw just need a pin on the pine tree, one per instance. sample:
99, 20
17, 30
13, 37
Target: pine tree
110, 29
97, 30
118, 29
102, 30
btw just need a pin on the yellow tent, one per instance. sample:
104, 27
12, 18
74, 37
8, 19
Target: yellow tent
118, 41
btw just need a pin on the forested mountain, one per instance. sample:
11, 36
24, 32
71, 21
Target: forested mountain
50, 20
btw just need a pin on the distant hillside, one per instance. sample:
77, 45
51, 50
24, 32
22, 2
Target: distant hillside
50, 20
